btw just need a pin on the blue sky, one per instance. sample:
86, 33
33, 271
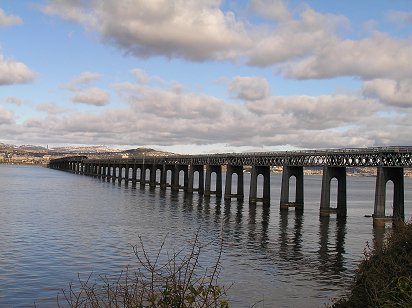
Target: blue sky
206, 76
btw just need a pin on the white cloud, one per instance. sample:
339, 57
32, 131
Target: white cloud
315, 112
167, 114
9, 20
140, 75
173, 115
196, 30
391, 92
250, 88
14, 100
6, 117
305, 45
272, 9
83, 79
12, 72
399, 17
51, 108
378, 56
92, 96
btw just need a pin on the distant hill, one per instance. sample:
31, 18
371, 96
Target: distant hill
138, 152
84, 149
91, 151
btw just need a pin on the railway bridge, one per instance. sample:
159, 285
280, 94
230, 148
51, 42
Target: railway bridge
198, 170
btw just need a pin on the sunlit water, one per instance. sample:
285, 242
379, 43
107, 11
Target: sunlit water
57, 225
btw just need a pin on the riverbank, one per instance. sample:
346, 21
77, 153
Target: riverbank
384, 277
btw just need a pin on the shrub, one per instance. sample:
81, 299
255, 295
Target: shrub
179, 281
384, 277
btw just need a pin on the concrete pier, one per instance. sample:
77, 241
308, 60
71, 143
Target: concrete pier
201, 182
288, 172
210, 169
176, 185
385, 174
339, 173
230, 171
265, 172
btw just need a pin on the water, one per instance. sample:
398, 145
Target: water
56, 226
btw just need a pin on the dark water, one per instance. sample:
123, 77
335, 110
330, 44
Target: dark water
56, 225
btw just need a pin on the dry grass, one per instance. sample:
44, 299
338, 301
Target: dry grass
180, 281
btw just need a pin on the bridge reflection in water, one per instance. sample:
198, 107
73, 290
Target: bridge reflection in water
198, 172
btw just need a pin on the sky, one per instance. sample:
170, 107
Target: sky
208, 76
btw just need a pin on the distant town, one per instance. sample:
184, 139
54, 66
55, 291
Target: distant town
37, 155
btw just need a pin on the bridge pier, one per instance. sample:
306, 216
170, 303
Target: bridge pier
126, 174
110, 172
176, 183
103, 171
232, 169
385, 174
134, 177
329, 173
120, 177
143, 175
163, 180
265, 172
95, 170
201, 186
152, 180
288, 172
115, 173
217, 169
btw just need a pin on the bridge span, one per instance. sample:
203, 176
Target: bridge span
198, 170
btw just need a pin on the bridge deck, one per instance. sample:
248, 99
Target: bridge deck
354, 157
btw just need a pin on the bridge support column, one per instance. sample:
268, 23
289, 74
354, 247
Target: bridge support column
107, 171
152, 182
231, 169
288, 172
163, 178
176, 176
120, 174
265, 172
217, 169
201, 183
103, 171
134, 170
329, 173
143, 175
110, 172
113, 173
86, 169
126, 173
385, 174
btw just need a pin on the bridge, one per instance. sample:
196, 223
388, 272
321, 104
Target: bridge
198, 171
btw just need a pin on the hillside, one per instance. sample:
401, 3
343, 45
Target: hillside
30, 154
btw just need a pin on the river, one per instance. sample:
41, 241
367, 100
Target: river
57, 225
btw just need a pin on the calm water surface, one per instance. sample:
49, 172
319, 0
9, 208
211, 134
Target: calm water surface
56, 225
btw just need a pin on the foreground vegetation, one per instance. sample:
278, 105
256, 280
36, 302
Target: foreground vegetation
384, 277
178, 281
